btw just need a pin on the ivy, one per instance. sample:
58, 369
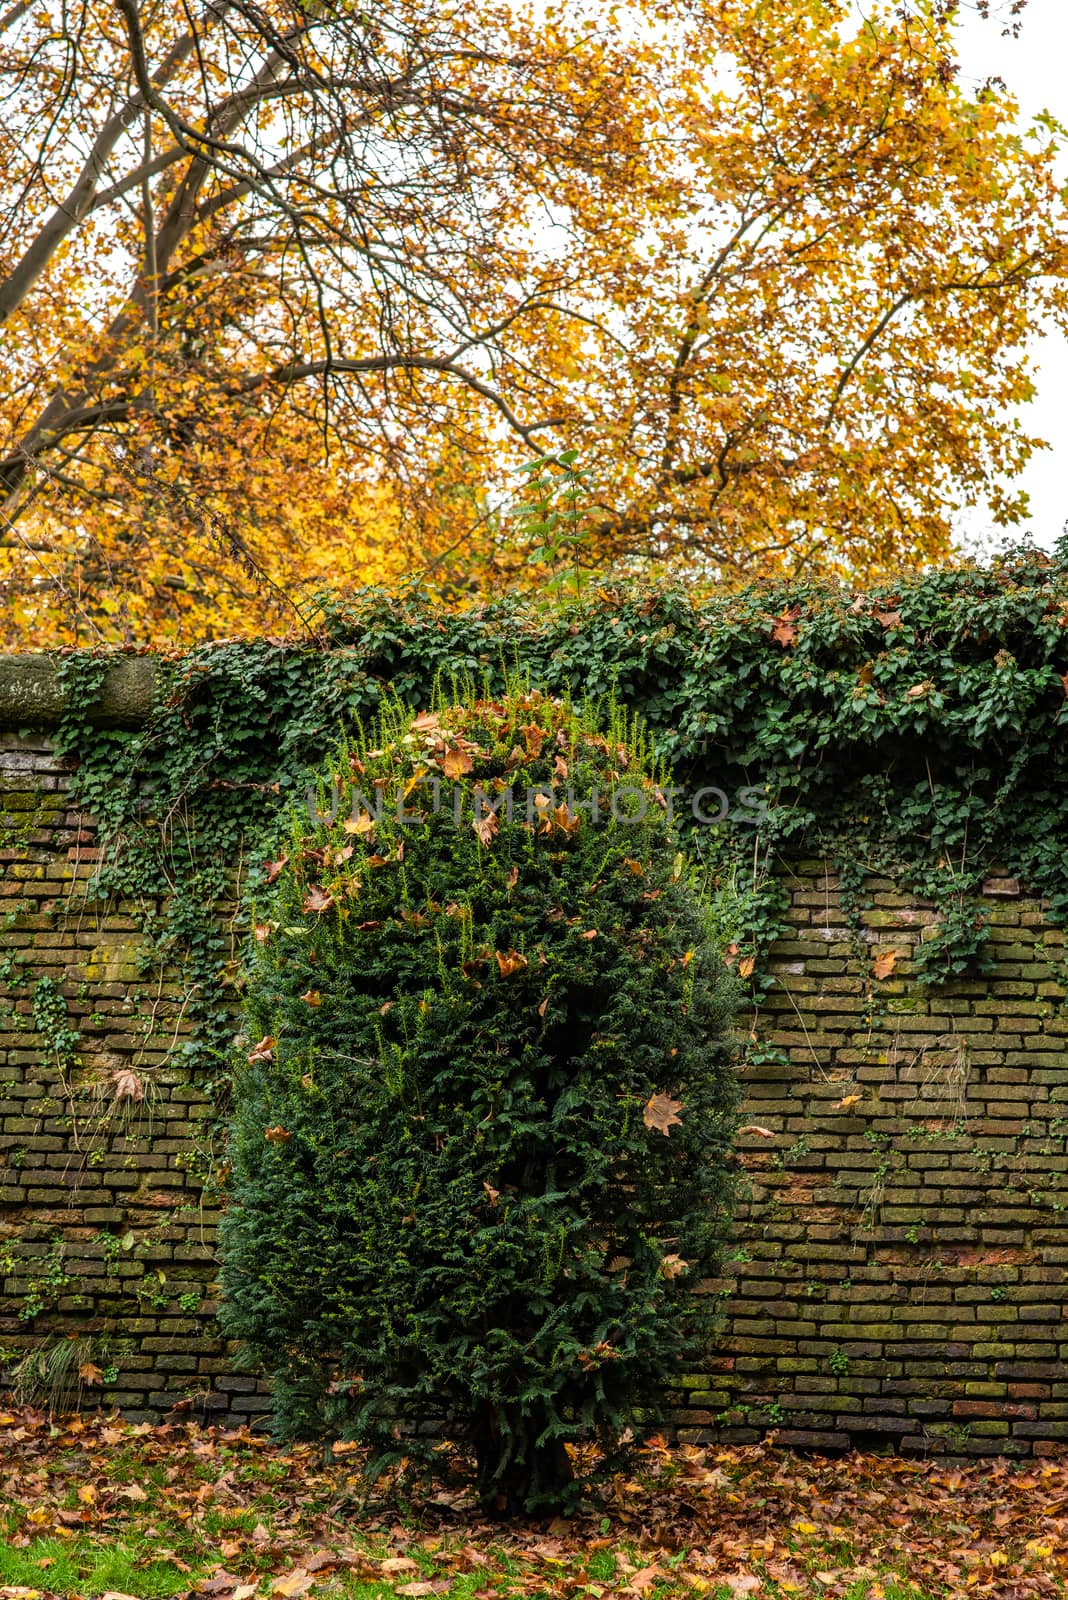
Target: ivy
917, 731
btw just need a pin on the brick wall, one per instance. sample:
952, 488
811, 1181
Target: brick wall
895, 1273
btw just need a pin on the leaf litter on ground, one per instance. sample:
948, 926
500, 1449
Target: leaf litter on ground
97, 1506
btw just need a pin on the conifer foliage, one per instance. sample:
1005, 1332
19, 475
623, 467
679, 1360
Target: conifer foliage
480, 1152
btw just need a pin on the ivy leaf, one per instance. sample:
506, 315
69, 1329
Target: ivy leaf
661, 1113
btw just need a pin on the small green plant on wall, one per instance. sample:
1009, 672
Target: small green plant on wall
480, 1153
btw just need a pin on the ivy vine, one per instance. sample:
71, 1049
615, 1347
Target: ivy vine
918, 731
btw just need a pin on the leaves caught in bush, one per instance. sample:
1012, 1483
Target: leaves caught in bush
479, 1181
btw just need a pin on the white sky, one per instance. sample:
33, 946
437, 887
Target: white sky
1034, 68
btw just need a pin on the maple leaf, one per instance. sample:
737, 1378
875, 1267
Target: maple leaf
426, 722
510, 961
486, 828
273, 869
127, 1085
312, 998
455, 763
885, 962
362, 823
317, 900
661, 1113
745, 967
262, 932
673, 1266
277, 1135
889, 619
90, 1373
264, 1051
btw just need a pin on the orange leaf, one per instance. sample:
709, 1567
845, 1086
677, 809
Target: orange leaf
264, 1051
312, 998
455, 763
885, 962
277, 1135
510, 961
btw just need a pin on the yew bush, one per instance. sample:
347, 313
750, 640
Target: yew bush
480, 1151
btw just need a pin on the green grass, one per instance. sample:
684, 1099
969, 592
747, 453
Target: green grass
85, 1566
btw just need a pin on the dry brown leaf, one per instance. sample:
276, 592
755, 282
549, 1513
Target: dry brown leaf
661, 1113
312, 998
761, 1133
510, 961
885, 962
455, 763
316, 900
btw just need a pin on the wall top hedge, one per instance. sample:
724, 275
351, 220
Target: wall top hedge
918, 730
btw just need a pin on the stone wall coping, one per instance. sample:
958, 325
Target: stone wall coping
32, 694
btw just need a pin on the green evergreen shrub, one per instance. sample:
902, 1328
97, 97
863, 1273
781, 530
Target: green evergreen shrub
480, 1150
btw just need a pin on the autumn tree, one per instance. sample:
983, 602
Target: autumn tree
290, 290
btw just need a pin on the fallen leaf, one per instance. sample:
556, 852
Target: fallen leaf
455, 763
90, 1373
661, 1113
312, 998
510, 961
850, 1100
128, 1086
644, 1578
486, 828
885, 962
277, 1135
761, 1133
297, 1582
361, 824
673, 1266
273, 869
316, 900
745, 967
264, 1051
